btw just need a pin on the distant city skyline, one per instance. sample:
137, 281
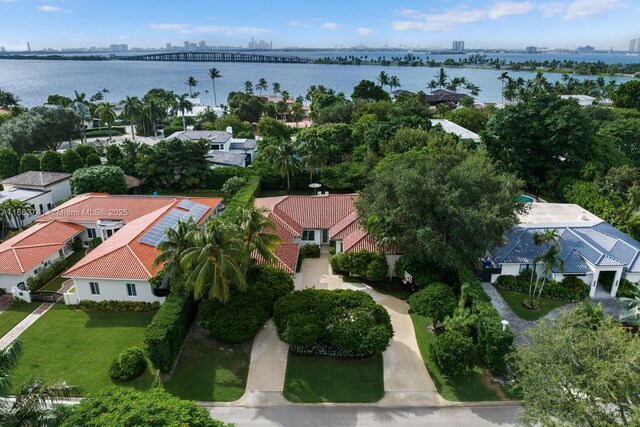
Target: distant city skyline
436, 24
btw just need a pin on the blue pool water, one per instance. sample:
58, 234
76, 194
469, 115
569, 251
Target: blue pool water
525, 199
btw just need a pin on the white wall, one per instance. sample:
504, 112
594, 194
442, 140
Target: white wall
42, 199
510, 269
116, 290
317, 238
60, 190
632, 277
9, 280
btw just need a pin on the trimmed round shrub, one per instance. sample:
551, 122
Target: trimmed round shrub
29, 162
128, 365
453, 353
436, 302
233, 185
340, 323
370, 265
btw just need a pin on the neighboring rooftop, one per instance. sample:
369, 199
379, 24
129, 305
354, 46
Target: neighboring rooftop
215, 136
557, 215
22, 194
242, 144
226, 158
583, 100
36, 179
456, 129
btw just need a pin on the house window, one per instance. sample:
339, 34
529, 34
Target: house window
526, 267
309, 235
41, 209
91, 232
95, 288
46, 263
131, 290
49, 206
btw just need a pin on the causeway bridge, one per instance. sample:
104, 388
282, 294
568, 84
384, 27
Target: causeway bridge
216, 57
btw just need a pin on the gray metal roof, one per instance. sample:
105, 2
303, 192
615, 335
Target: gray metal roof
242, 144
226, 158
601, 245
36, 179
215, 136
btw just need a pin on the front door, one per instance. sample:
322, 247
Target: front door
325, 236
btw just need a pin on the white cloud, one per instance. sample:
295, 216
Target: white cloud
168, 27
452, 18
509, 8
552, 9
52, 9
299, 24
585, 8
364, 31
228, 31
330, 26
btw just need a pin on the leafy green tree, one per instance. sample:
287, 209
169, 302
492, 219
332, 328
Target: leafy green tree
436, 301
28, 162
453, 353
581, 369
445, 204
334, 141
14, 213
625, 135
191, 82
119, 406
59, 100
51, 161
406, 139
214, 74
71, 161
369, 91
93, 160
31, 403
39, 129
8, 99
470, 118
271, 128
241, 129
9, 162
99, 179
214, 260
628, 95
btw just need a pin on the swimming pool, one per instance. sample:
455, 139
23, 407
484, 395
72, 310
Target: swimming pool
525, 199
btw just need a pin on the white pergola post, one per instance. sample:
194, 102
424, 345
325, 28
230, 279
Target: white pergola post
616, 282
594, 284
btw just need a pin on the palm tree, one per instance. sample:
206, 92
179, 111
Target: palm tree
214, 74
255, 227
105, 112
183, 104
262, 85
313, 154
276, 88
504, 76
191, 82
248, 87
283, 156
171, 249
383, 78
631, 306
432, 84
153, 111
394, 82
441, 78
214, 261
104, 91
31, 404
132, 109
550, 260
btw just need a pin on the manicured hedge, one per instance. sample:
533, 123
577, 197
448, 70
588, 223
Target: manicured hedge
453, 353
340, 323
246, 312
136, 306
310, 250
370, 265
168, 329
219, 176
128, 365
570, 289
47, 274
243, 198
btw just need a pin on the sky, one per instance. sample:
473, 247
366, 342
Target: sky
326, 23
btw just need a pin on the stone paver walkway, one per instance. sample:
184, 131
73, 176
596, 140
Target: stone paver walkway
22, 326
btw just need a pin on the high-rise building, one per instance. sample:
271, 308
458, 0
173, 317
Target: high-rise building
168, 45
458, 45
632, 45
261, 44
638, 44
531, 49
202, 44
2, 49
118, 48
29, 46
186, 44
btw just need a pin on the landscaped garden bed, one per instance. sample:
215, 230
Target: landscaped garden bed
516, 299
315, 379
79, 347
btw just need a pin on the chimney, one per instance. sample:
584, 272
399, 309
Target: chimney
230, 130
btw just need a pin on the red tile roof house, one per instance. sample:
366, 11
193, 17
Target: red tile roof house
317, 219
120, 267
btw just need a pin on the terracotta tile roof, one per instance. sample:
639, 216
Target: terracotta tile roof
286, 257
344, 227
359, 240
317, 212
23, 252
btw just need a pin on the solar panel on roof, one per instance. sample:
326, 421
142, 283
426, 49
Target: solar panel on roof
196, 212
186, 204
157, 233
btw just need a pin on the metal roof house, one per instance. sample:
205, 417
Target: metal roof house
589, 247
454, 128
225, 149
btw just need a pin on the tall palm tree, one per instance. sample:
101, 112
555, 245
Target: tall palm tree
258, 232
248, 87
171, 249
214, 260
276, 88
31, 404
432, 84
313, 153
104, 91
191, 82
214, 74
383, 78
441, 78
504, 76
551, 259
153, 111
262, 85
132, 109
183, 104
107, 115
283, 156
394, 82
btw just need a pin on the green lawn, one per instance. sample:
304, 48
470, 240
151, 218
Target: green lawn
14, 315
473, 387
312, 379
196, 193
395, 288
78, 347
514, 299
56, 283
210, 371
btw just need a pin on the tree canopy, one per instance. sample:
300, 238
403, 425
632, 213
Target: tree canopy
39, 129
99, 179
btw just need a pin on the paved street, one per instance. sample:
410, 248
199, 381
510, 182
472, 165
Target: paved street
339, 416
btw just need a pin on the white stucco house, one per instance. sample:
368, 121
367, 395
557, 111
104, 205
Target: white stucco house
119, 268
455, 129
591, 248
225, 150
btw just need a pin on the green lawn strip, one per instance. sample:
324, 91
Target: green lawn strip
514, 299
312, 379
395, 288
196, 193
210, 371
473, 387
14, 315
56, 283
78, 347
